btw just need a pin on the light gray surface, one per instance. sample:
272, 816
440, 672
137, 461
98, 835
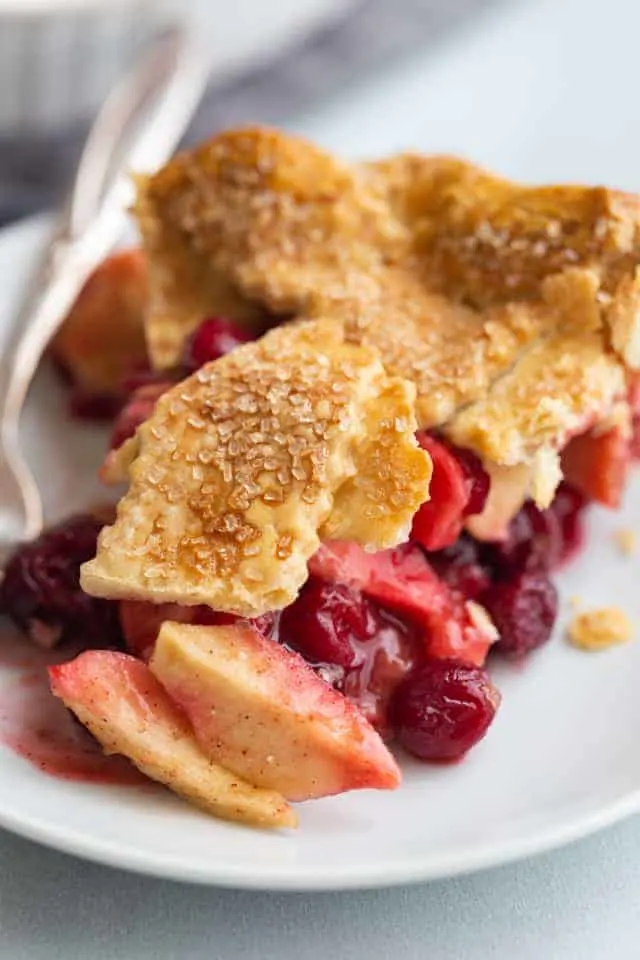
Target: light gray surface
578, 904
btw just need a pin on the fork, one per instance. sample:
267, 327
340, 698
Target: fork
138, 127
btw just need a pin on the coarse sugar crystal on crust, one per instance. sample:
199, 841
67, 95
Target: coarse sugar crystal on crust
245, 466
453, 274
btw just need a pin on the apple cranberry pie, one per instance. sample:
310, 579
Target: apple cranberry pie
380, 397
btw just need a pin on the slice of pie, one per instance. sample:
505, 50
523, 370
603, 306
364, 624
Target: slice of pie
384, 480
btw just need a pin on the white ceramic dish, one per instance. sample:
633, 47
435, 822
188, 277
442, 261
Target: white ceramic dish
560, 761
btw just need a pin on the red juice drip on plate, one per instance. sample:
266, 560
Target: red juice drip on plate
36, 726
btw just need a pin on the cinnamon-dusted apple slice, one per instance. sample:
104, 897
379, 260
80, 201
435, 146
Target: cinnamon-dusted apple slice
243, 468
120, 701
261, 711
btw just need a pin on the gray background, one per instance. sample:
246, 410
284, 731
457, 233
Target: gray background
581, 903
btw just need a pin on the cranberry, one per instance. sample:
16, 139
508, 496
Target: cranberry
568, 507
477, 479
459, 486
402, 580
544, 538
534, 539
462, 568
523, 609
212, 339
356, 646
144, 376
443, 709
327, 623
41, 588
138, 408
100, 407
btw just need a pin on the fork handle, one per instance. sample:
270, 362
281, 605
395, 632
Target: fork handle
138, 127
36, 322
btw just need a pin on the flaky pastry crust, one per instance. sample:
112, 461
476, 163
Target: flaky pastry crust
244, 467
454, 275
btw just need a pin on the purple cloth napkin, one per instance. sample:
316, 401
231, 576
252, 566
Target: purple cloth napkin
33, 171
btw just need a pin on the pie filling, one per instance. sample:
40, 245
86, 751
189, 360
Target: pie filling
375, 645
402, 633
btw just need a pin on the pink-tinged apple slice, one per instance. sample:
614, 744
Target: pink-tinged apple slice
261, 711
597, 464
120, 701
438, 522
141, 622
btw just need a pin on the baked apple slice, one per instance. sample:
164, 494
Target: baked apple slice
261, 711
597, 464
120, 701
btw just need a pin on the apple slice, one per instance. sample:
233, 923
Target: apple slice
120, 701
597, 464
260, 710
438, 522
141, 621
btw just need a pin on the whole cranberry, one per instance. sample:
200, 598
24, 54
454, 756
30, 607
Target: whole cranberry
443, 709
534, 539
462, 568
41, 588
98, 407
568, 508
477, 479
523, 608
353, 644
212, 339
327, 622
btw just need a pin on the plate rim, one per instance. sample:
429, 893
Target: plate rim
405, 872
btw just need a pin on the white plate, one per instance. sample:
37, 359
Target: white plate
560, 761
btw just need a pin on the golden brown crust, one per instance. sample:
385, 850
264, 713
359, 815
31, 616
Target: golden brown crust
184, 290
451, 273
243, 467
561, 385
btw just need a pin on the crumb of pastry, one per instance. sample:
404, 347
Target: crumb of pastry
626, 541
599, 629
575, 601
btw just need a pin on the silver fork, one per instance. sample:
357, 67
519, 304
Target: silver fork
137, 129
